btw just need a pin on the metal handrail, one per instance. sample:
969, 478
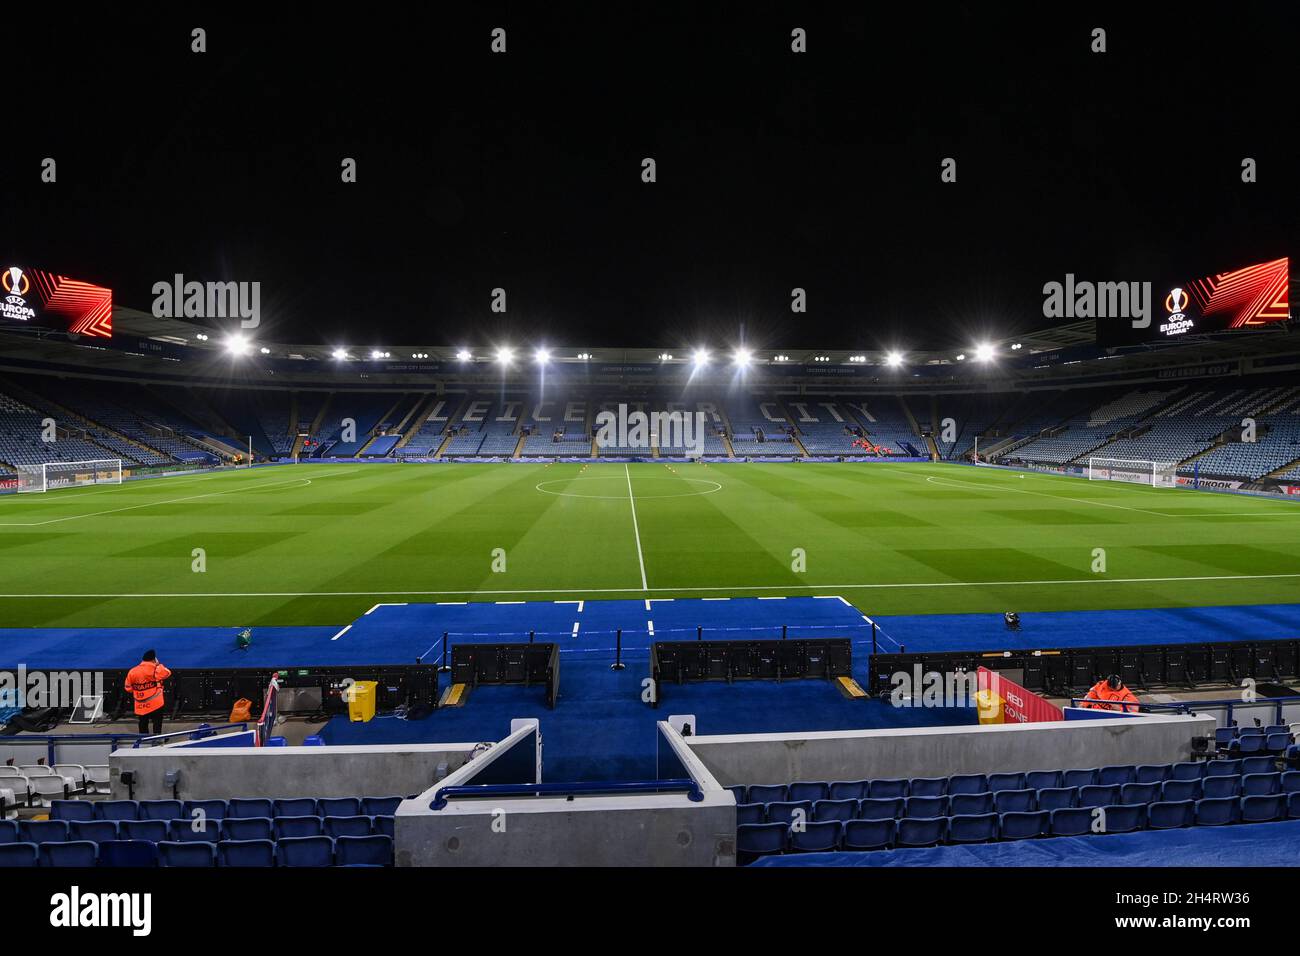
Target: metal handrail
690, 787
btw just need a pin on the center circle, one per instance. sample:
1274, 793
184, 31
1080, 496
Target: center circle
541, 486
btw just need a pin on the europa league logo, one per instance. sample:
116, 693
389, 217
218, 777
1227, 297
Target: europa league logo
1176, 301
15, 282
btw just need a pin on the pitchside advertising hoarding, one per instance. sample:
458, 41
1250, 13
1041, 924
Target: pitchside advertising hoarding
1251, 298
34, 298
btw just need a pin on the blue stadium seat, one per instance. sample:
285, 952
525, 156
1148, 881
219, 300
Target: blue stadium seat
1151, 773
738, 791
251, 828
848, 790
96, 831
81, 853
155, 831
970, 804
19, 854
1213, 788
378, 850
9, 831
1125, 818
1023, 826
767, 793
1276, 744
1042, 779
1224, 736
968, 783
42, 831
314, 740
1260, 784
1015, 801
883, 789
387, 806
1169, 815
304, 851
880, 809
1219, 768
751, 813
816, 837
387, 825
927, 787
71, 810
194, 831
187, 854
1121, 775
760, 839
1078, 778
1262, 809
1057, 798
211, 809
1248, 744
128, 853
160, 810
1098, 795
921, 832
347, 826
868, 835
926, 807
1293, 805
1194, 770
117, 810
1006, 781
1139, 793
1290, 781
1178, 790
800, 790
1218, 811
973, 828
296, 827
351, 806
1071, 822
297, 807
842, 810
249, 807
1258, 765
246, 853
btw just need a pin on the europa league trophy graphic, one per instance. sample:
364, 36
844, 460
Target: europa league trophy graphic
1177, 300
15, 280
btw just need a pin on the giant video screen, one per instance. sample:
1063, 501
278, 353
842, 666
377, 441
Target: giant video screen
34, 298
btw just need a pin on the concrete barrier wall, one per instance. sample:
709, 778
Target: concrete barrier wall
941, 751
665, 829
223, 772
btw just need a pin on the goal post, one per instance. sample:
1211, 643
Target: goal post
1157, 474
48, 475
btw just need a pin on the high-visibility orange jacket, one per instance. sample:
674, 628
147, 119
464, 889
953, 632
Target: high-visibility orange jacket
1102, 691
144, 681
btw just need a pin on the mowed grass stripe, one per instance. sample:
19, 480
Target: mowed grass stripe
282, 551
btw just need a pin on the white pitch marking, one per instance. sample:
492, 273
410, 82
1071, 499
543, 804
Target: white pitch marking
448, 603
575, 628
651, 625
635, 530
715, 599
773, 598
378, 606
341, 633
510, 602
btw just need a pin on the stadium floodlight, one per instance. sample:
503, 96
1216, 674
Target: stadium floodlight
701, 357
961, 357
504, 355
984, 352
665, 356
201, 337
339, 354
1017, 347
584, 356
894, 359
237, 345
462, 355
380, 354
264, 350
542, 356
743, 357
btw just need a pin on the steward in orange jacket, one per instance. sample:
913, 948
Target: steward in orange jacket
1114, 695
145, 682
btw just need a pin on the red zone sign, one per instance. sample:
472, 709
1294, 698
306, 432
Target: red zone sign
1019, 705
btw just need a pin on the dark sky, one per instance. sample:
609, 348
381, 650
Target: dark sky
522, 170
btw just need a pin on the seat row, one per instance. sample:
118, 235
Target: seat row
256, 807
1007, 801
313, 851
995, 782
192, 829
759, 839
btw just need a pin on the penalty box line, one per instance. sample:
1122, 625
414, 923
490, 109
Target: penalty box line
679, 590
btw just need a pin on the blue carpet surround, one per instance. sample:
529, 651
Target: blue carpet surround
1251, 844
600, 729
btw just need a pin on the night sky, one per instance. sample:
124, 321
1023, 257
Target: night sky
775, 170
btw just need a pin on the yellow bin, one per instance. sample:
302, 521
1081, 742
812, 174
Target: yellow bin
361, 703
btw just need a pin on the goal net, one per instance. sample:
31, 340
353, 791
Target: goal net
49, 475
1157, 474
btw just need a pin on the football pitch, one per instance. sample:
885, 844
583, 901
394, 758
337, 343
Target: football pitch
321, 544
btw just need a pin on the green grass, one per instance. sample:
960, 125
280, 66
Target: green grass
320, 544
